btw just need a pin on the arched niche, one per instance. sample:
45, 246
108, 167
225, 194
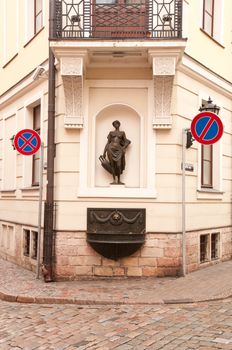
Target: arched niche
131, 124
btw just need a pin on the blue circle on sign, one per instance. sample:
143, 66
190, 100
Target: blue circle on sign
212, 130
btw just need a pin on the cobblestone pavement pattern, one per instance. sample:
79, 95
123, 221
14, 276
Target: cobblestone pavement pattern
18, 284
202, 326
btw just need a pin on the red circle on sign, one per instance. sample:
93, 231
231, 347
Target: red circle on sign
212, 117
21, 142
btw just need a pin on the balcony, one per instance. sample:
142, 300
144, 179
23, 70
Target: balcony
117, 19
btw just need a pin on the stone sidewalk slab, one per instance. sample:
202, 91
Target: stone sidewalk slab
211, 283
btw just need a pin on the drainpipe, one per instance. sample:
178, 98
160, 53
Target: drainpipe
49, 204
183, 204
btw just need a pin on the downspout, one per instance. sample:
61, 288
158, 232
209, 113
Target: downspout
49, 204
183, 204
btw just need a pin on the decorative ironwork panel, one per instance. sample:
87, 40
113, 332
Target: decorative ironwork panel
115, 220
166, 18
115, 233
138, 19
48, 233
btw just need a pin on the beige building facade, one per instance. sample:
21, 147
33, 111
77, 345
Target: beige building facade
152, 71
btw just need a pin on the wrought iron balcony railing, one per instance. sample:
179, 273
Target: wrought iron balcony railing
118, 19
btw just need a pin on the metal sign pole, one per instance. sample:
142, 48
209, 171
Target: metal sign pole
40, 208
183, 204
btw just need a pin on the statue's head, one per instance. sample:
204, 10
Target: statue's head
116, 124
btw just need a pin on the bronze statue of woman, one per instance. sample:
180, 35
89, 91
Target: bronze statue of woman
115, 150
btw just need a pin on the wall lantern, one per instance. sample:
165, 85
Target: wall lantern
209, 106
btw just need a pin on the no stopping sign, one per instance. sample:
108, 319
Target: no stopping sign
27, 142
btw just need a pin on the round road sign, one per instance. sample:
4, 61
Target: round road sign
207, 128
27, 142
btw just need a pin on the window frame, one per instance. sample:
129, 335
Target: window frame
36, 15
215, 246
206, 249
26, 242
29, 105
30, 243
7, 238
212, 15
34, 245
36, 156
216, 191
210, 185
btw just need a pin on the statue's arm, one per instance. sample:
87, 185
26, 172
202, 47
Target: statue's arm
125, 141
106, 146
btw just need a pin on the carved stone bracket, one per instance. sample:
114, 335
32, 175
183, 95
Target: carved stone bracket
163, 77
72, 75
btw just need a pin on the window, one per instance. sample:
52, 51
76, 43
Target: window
213, 18
209, 247
30, 243
214, 246
34, 18
7, 239
34, 245
38, 16
207, 166
208, 16
204, 245
26, 245
36, 157
33, 117
4, 236
210, 166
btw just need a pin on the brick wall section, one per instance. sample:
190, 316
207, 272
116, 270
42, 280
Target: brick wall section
160, 256
193, 250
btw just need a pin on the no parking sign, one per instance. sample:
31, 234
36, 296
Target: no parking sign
207, 128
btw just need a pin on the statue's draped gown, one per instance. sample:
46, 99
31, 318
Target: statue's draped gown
115, 151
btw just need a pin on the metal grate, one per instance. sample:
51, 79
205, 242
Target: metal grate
204, 248
26, 249
34, 245
215, 246
138, 19
48, 233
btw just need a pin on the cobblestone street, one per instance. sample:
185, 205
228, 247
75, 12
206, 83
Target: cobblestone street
201, 326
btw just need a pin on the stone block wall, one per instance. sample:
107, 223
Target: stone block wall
12, 246
159, 256
193, 247
226, 243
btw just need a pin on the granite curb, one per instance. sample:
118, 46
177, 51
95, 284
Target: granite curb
56, 300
